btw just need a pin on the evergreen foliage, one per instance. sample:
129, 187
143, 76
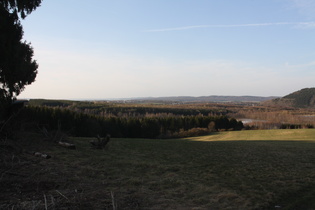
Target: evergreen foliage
157, 126
17, 67
20, 7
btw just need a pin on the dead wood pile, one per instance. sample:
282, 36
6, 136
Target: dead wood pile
100, 143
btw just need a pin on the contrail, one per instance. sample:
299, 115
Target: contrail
305, 24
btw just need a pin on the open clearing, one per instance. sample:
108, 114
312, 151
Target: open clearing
207, 172
277, 134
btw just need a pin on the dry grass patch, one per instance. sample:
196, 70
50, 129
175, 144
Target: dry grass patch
276, 134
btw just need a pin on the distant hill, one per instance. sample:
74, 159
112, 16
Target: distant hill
304, 98
213, 98
172, 99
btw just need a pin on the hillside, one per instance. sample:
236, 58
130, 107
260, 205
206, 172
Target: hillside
304, 98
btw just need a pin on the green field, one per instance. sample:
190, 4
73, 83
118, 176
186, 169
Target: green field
209, 172
283, 134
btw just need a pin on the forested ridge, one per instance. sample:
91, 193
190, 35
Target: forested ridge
128, 121
303, 98
98, 107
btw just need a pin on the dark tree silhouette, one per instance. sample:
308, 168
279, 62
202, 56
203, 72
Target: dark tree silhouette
17, 67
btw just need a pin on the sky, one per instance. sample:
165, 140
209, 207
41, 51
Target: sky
105, 49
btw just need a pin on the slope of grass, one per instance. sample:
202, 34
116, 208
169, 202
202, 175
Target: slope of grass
284, 134
195, 173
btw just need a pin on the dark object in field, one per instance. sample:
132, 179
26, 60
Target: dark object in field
100, 143
67, 145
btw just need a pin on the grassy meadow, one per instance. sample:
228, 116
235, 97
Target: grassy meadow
275, 134
218, 171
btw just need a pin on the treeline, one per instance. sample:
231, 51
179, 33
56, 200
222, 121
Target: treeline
118, 109
277, 119
296, 126
127, 126
146, 111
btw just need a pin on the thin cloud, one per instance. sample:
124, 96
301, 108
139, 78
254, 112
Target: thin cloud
300, 24
306, 25
305, 7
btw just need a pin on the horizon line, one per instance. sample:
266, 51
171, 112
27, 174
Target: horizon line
138, 98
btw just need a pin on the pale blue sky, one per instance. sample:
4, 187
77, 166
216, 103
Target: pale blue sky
101, 49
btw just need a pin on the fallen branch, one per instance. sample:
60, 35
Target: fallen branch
113, 200
46, 206
62, 194
38, 154
66, 145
